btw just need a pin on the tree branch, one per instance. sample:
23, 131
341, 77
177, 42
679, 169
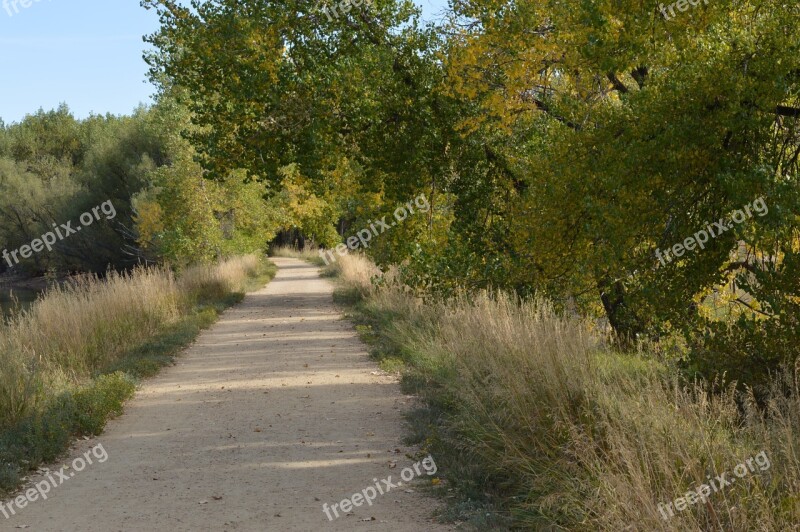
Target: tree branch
542, 106
618, 85
784, 110
639, 74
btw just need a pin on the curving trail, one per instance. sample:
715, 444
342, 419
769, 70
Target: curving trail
275, 410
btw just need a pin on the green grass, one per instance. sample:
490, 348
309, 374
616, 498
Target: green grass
41, 437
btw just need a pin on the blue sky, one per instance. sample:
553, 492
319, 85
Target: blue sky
86, 53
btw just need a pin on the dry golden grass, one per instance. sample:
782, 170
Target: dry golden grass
358, 270
219, 279
309, 253
79, 328
580, 436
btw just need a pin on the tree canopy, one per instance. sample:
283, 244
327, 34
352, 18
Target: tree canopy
566, 149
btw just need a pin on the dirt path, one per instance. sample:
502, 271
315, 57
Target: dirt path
274, 411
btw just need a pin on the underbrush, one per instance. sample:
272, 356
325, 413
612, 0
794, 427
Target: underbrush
538, 424
71, 360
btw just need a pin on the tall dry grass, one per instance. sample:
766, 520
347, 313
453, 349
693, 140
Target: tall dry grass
309, 253
75, 330
359, 271
568, 434
217, 280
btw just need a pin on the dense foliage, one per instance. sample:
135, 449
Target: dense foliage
563, 145
53, 168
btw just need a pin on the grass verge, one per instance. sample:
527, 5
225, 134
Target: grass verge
539, 425
73, 359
